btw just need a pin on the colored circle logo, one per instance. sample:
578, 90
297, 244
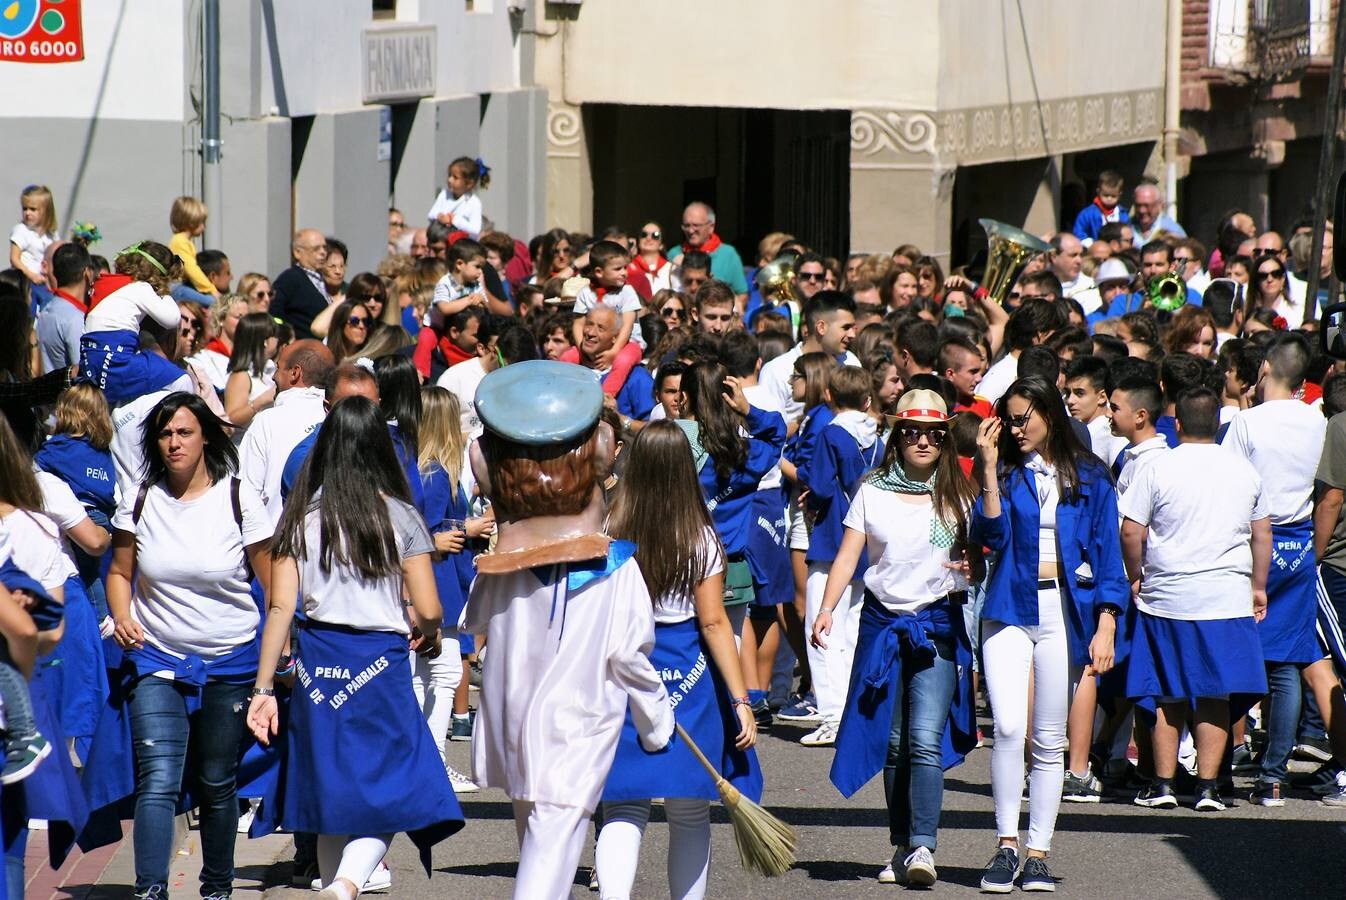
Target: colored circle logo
17, 17
52, 21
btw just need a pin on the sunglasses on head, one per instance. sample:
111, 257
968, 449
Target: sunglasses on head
672, 312
656, 235
358, 321
912, 434
1018, 421
812, 276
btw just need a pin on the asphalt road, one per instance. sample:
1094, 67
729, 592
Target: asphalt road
1112, 849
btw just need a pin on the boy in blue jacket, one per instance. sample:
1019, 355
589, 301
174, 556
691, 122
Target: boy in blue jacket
846, 449
1104, 209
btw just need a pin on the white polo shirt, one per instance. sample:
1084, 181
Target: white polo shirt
1198, 501
271, 437
1283, 439
462, 380
1137, 457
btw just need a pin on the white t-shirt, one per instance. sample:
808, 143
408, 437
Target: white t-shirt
126, 307
461, 380
214, 365
758, 396
906, 572
775, 377
624, 301
191, 591
32, 245
35, 546
998, 378
273, 434
128, 458
60, 503
1106, 445
466, 211
1198, 501
342, 596
1283, 439
1137, 458
673, 608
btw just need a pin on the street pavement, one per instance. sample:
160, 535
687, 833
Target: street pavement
1114, 849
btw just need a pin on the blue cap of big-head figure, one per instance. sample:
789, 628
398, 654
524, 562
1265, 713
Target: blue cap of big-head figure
540, 401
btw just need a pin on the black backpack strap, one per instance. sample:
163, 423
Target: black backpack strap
139, 506
237, 504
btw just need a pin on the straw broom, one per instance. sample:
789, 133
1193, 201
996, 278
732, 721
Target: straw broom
766, 845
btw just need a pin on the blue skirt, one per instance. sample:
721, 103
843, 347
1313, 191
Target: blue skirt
75, 670
701, 705
113, 362
1181, 659
768, 551
1289, 631
357, 757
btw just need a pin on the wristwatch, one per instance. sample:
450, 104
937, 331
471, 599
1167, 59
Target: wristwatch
1112, 609
263, 692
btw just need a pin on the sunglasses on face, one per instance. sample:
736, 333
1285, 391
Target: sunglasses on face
812, 276
672, 312
260, 293
559, 250
1270, 275
654, 235
912, 434
1183, 259
398, 224
796, 376
1019, 422
358, 321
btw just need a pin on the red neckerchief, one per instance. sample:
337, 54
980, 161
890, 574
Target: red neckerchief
1105, 210
643, 267
599, 292
217, 345
710, 246
73, 301
106, 284
453, 354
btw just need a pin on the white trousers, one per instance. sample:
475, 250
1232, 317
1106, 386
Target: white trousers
435, 681
831, 668
352, 857
551, 839
1009, 654
618, 849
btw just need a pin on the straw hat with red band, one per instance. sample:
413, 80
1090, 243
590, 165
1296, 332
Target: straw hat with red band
920, 405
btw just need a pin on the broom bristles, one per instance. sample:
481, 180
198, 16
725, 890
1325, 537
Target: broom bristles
766, 845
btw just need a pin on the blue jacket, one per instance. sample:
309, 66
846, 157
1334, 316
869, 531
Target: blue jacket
1086, 532
831, 477
729, 499
446, 500
85, 468
406, 456
1125, 303
799, 449
636, 398
1090, 220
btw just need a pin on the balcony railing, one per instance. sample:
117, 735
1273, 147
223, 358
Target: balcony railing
1269, 40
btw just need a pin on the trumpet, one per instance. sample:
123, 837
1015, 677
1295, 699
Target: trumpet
1167, 293
775, 280
1007, 249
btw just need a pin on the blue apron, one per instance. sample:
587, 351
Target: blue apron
53, 791
768, 551
75, 670
702, 706
1289, 630
867, 718
113, 362
357, 757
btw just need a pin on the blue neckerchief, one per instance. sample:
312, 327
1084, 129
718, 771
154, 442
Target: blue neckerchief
577, 575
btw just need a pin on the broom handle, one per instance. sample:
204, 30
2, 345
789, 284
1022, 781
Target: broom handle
696, 751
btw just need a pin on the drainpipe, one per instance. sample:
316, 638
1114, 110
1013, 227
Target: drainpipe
1172, 104
212, 186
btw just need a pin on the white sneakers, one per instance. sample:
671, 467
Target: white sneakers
461, 783
381, 879
825, 735
917, 868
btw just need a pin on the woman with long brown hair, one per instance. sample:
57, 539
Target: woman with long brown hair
659, 508
911, 514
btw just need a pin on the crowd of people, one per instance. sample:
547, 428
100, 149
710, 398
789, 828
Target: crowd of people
239, 519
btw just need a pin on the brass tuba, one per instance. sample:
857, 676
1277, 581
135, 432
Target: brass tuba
1007, 249
775, 280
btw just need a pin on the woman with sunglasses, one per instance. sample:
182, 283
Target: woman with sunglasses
649, 263
671, 306
555, 256
1270, 289
912, 667
256, 287
351, 324
1048, 509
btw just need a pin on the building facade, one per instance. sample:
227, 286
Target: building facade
331, 110
924, 116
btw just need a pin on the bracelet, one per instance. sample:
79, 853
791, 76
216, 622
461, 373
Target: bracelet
285, 666
263, 692
742, 701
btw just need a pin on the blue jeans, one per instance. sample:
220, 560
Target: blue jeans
1282, 721
165, 737
913, 774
